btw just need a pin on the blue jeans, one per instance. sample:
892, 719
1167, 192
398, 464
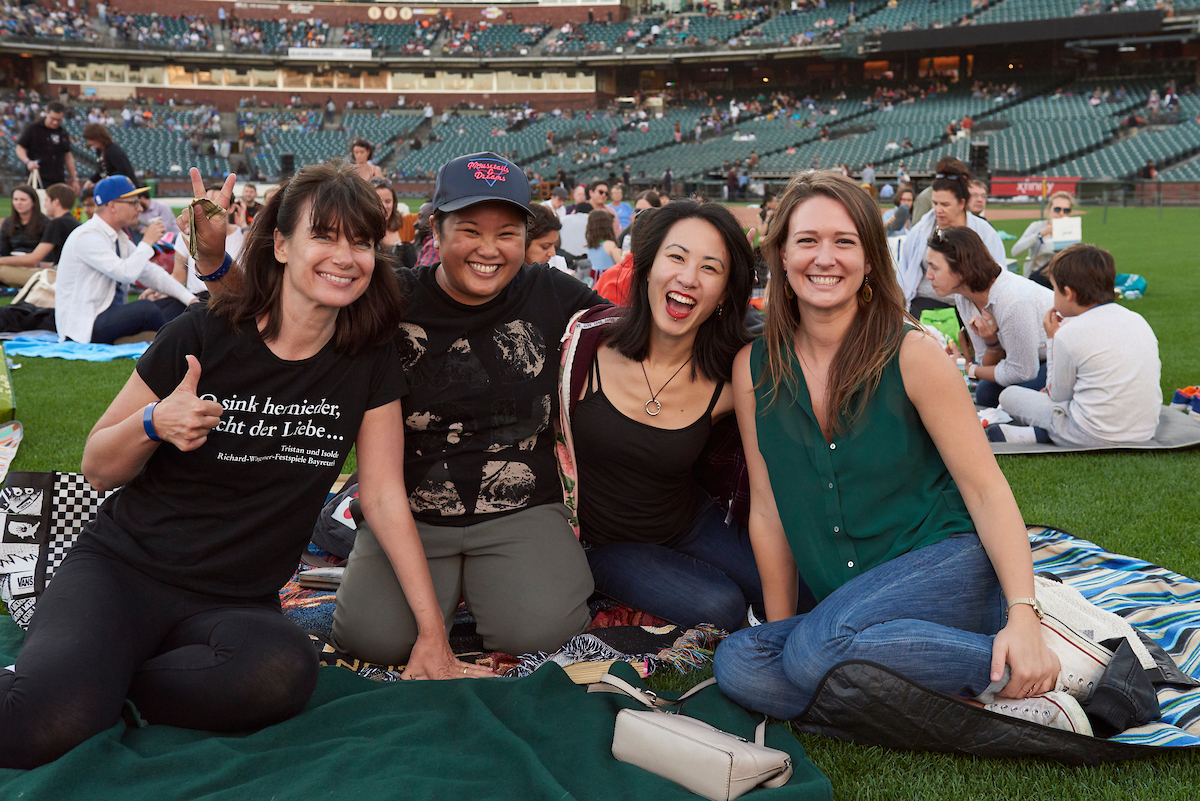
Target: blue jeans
987, 393
709, 576
930, 615
127, 319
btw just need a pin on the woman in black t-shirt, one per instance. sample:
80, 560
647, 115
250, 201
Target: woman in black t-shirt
111, 157
22, 231
224, 443
642, 387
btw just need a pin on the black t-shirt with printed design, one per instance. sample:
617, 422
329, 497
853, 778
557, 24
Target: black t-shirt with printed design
49, 148
478, 419
231, 518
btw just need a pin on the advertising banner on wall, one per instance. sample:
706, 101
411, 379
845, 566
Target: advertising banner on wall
1033, 186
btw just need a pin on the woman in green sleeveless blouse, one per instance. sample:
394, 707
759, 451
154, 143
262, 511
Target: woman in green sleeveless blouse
871, 475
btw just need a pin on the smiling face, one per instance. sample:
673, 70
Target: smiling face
482, 247
542, 249
944, 280
249, 193
688, 277
823, 255
326, 268
948, 210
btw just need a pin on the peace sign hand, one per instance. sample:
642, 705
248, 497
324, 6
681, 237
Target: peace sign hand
204, 222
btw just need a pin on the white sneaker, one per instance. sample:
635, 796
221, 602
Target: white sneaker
1081, 661
1056, 710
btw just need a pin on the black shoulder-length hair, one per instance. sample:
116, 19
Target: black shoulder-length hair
724, 333
336, 200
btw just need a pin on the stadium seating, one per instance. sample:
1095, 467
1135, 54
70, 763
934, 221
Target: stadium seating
1124, 158
313, 147
916, 14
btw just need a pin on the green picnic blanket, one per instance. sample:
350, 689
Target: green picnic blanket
538, 737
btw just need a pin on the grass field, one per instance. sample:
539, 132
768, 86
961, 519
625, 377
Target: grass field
1147, 505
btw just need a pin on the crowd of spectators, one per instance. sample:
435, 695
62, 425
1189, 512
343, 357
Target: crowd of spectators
462, 38
151, 30
38, 22
358, 34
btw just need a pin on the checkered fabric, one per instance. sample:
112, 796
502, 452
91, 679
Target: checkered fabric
75, 503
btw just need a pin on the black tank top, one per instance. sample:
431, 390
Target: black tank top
636, 482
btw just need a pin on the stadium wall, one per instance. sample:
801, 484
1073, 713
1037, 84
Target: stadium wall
1043, 30
343, 13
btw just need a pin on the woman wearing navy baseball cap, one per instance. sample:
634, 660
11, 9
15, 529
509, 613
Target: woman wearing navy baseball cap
479, 343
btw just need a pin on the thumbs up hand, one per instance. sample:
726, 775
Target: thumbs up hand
182, 418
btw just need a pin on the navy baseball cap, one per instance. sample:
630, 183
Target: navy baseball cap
115, 187
479, 178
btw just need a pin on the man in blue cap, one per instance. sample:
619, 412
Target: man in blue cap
479, 345
98, 263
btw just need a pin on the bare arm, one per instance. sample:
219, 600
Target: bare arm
118, 447
23, 155
772, 554
28, 259
70, 162
384, 502
946, 411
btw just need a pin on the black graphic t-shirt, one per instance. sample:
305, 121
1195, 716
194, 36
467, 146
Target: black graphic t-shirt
56, 233
49, 147
478, 433
231, 518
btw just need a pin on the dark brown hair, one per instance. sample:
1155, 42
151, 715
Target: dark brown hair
952, 176
651, 197
541, 222
874, 336
336, 200
966, 255
720, 336
97, 133
363, 143
64, 194
37, 221
1087, 269
599, 227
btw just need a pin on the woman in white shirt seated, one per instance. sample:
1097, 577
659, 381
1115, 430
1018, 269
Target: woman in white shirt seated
1037, 239
1002, 312
950, 195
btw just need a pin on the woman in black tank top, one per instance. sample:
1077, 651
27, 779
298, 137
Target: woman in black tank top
640, 409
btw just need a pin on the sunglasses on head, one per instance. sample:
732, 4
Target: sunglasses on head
1061, 209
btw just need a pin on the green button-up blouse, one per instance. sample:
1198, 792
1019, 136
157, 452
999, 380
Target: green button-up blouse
875, 492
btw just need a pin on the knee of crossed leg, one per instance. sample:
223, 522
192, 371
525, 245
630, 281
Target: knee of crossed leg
723, 606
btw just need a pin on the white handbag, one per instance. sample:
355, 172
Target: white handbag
707, 761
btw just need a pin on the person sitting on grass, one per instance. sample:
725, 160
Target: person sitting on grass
170, 596
99, 260
1102, 365
871, 476
17, 269
1002, 312
654, 538
1037, 239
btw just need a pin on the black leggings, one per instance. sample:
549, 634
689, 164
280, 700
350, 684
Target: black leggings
103, 632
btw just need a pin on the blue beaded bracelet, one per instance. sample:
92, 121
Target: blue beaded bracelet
219, 273
148, 422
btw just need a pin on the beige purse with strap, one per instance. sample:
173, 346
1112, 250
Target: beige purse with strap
38, 290
712, 763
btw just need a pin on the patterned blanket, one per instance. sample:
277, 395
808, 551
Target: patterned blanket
1158, 602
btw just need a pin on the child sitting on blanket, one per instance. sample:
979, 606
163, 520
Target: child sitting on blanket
1102, 385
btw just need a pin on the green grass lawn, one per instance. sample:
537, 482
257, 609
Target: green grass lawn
1140, 504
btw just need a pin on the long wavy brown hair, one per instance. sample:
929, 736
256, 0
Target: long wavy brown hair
875, 334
